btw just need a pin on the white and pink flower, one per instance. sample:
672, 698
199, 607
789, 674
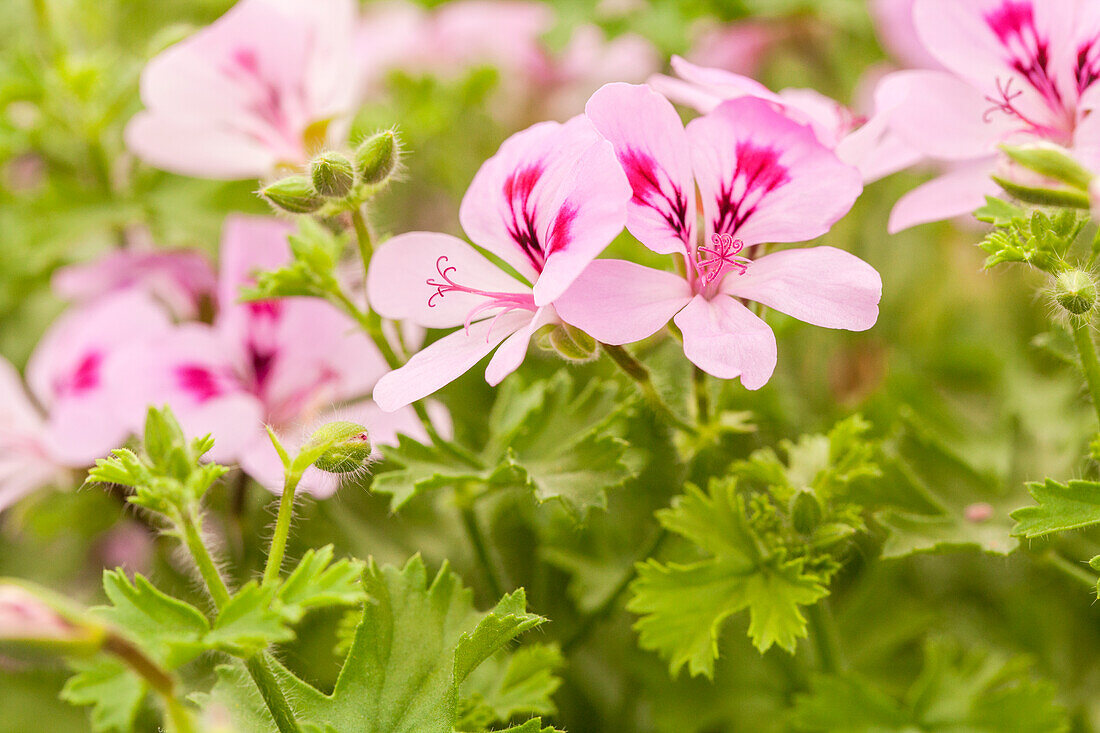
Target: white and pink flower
762, 178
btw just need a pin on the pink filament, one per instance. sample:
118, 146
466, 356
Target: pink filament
508, 301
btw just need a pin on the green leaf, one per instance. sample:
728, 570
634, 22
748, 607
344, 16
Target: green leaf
1061, 507
249, 622
509, 685
421, 468
413, 643
111, 688
318, 582
169, 629
683, 607
973, 691
999, 212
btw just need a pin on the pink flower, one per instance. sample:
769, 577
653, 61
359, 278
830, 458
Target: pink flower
249, 93
865, 143
550, 200
762, 178
894, 25
1017, 71
26, 617
736, 47
181, 279
72, 415
283, 362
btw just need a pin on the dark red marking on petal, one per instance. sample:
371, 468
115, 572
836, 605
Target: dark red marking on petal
1028, 52
561, 233
644, 176
83, 378
1087, 69
758, 172
518, 189
200, 382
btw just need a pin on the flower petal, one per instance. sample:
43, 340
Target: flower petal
823, 286
445, 360
956, 193
619, 302
402, 267
514, 348
766, 178
723, 338
649, 141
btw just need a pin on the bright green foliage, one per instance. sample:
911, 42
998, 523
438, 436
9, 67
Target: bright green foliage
1072, 505
683, 607
249, 622
551, 438
415, 645
1038, 239
316, 251
318, 582
113, 690
510, 685
169, 476
973, 691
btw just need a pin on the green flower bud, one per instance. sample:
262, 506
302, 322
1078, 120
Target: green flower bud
570, 343
805, 512
377, 156
332, 174
1075, 290
345, 447
294, 194
1051, 161
1094, 563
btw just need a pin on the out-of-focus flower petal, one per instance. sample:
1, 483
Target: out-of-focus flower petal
724, 339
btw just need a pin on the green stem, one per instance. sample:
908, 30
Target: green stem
1082, 337
702, 403
637, 371
826, 640
282, 529
481, 549
260, 669
179, 720
1070, 570
209, 571
362, 237
609, 604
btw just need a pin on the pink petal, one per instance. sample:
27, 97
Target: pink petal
823, 286
649, 141
512, 205
894, 26
942, 116
723, 338
765, 178
445, 360
592, 212
619, 302
17, 414
957, 193
194, 148
249, 244
401, 268
514, 348
875, 149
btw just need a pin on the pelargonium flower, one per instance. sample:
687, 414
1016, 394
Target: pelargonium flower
180, 279
550, 200
251, 92
762, 178
75, 375
283, 363
894, 26
863, 142
1016, 71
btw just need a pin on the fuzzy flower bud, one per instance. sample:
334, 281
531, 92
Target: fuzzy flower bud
332, 174
344, 447
1075, 290
570, 343
294, 194
30, 618
376, 157
805, 512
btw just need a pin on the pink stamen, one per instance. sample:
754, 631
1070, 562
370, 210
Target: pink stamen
722, 256
507, 301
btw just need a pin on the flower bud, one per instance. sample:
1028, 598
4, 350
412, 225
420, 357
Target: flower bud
376, 157
332, 174
344, 447
1050, 161
1075, 291
805, 512
570, 343
31, 617
294, 194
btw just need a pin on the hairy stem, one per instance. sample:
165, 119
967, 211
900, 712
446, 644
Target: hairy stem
481, 548
1071, 570
259, 667
826, 640
1082, 337
362, 237
637, 371
282, 529
207, 569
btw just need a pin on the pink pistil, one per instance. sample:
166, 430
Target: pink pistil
722, 256
508, 301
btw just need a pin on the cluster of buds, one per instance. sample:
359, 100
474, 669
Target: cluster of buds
334, 178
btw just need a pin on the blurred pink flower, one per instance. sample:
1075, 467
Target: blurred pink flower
762, 178
1017, 71
251, 92
180, 279
895, 28
25, 616
737, 47
71, 416
864, 143
281, 362
549, 201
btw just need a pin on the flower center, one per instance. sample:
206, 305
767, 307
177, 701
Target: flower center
507, 302
724, 255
